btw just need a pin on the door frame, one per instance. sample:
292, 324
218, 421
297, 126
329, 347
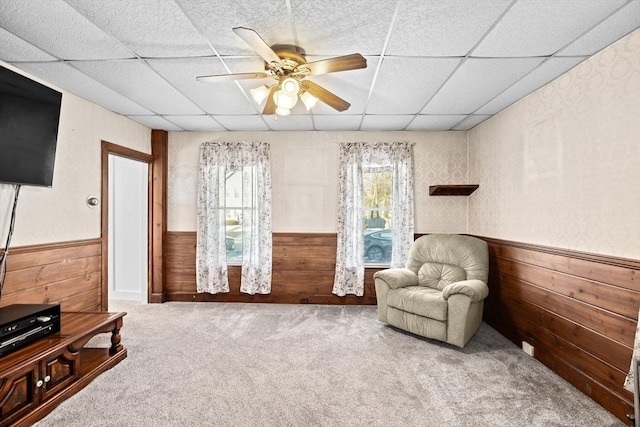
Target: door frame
118, 150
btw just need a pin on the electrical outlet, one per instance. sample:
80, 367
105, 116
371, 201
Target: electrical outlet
527, 348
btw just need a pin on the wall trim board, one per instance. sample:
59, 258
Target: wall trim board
628, 263
579, 310
48, 247
65, 273
158, 213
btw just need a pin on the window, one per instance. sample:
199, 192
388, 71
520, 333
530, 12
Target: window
232, 210
377, 193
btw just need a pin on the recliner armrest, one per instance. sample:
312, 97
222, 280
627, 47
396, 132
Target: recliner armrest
397, 277
477, 290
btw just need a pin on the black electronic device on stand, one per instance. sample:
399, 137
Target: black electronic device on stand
22, 324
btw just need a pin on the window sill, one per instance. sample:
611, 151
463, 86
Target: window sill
377, 266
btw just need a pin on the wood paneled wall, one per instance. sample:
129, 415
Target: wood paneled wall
68, 274
303, 271
578, 310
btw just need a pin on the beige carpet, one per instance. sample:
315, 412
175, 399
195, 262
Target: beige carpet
217, 364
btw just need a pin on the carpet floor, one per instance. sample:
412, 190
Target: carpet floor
226, 364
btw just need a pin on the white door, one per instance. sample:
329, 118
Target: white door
128, 216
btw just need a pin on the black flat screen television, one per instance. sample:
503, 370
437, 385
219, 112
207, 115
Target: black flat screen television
29, 118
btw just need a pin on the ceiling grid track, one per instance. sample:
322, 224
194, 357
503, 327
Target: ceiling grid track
553, 55
440, 65
224, 64
464, 59
143, 61
394, 17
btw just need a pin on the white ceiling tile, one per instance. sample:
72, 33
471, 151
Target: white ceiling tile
616, 26
336, 27
476, 82
541, 27
471, 121
202, 123
404, 84
13, 48
156, 122
135, 80
544, 73
435, 122
291, 122
216, 19
213, 98
337, 122
70, 79
386, 122
151, 28
242, 122
58, 29
442, 27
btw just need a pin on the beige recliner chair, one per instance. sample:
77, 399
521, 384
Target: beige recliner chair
440, 294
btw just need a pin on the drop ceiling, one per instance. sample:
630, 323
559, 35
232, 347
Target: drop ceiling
432, 64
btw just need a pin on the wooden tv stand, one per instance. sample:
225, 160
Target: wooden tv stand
37, 378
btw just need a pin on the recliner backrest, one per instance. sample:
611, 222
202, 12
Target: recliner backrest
446, 256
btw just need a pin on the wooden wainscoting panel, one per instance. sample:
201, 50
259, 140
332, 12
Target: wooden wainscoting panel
603, 295
39, 276
612, 325
66, 273
578, 310
303, 271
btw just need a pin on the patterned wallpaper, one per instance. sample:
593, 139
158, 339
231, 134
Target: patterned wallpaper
304, 168
562, 166
60, 214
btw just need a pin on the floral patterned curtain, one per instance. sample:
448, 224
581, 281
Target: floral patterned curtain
401, 156
354, 157
349, 276
217, 161
630, 380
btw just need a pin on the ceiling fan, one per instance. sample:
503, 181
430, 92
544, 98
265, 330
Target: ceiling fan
289, 69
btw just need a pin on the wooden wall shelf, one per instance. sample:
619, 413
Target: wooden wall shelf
452, 190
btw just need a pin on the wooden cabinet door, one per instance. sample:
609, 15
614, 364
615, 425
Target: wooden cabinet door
19, 394
57, 372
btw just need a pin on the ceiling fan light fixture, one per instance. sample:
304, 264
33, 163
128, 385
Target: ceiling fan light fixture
290, 86
259, 94
285, 100
309, 100
283, 111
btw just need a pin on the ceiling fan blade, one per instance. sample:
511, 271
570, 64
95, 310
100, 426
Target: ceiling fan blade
332, 65
228, 77
256, 42
324, 95
270, 106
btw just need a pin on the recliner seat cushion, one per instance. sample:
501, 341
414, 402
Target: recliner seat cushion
437, 275
420, 300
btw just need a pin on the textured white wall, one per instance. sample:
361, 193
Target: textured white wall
562, 166
59, 214
304, 169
